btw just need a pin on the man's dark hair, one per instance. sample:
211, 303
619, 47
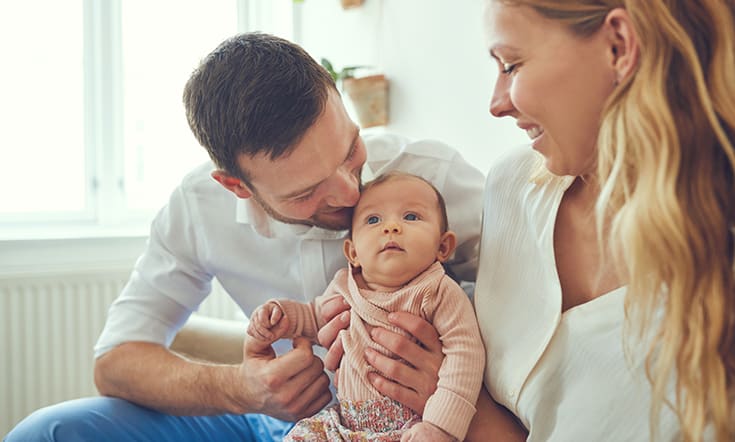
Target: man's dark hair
254, 94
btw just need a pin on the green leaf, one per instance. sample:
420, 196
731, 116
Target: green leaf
346, 72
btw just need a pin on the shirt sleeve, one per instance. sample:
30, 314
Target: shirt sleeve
167, 284
452, 405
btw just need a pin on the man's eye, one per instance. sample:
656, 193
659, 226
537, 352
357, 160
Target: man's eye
302, 198
410, 217
374, 219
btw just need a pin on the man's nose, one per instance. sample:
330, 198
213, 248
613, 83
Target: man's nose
346, 190
500, 103
392, 227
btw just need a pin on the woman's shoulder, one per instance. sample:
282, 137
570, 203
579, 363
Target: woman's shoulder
514, 170
519, 164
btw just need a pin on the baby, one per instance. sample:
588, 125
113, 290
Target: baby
398, 241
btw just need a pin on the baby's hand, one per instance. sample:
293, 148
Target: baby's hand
424, 431
263, 320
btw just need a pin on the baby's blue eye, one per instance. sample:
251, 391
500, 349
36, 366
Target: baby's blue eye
373, 219
410, 217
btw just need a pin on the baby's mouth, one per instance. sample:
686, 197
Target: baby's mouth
391, 245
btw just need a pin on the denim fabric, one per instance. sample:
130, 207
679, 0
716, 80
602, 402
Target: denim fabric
112, 419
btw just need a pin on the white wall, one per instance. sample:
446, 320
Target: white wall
434, 55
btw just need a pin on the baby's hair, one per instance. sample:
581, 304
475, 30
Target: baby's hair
395, 174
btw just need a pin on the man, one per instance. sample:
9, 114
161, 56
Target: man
288, 164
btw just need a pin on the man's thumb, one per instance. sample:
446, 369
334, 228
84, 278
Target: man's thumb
254, 346
300, 342
258, 347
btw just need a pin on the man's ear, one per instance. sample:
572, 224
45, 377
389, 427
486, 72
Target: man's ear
234, 185
624, 50
351, 253
447, 244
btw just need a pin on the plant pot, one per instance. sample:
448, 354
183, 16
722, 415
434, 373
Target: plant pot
346, 4
369, 97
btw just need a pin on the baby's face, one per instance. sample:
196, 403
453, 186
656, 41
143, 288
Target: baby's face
396, 231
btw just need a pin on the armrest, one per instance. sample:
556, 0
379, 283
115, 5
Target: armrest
211, 339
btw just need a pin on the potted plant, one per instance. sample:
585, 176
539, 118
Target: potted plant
369, 94
346, 4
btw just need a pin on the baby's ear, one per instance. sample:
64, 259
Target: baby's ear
351, 253
447, 244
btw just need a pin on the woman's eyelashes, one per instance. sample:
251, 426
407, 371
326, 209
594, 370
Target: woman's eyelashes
508, 68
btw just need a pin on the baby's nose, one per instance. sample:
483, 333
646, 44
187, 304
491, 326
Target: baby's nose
392, 227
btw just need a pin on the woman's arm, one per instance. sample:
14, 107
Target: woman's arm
494, 423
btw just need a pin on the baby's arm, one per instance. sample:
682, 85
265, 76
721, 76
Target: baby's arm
452, 406
426, 432
283, 318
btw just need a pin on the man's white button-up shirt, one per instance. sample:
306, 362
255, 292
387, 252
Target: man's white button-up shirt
205, 231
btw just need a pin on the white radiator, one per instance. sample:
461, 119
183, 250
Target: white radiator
48, 327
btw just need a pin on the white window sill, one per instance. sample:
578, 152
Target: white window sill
70, 250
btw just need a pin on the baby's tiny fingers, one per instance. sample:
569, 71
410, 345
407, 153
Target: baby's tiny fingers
265, 333
276, 315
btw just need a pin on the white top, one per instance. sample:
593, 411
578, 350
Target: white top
564, 375
205, 231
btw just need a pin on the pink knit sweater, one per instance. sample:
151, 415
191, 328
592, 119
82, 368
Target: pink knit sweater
433, 296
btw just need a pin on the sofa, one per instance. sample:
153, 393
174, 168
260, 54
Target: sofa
210, 339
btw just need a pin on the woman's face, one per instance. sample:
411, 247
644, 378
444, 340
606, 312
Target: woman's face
552, 82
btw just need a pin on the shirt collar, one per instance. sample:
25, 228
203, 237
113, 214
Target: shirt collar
249, 212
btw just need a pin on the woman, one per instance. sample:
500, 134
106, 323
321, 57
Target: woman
606, 294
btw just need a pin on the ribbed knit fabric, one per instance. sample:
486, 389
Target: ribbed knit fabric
433, 296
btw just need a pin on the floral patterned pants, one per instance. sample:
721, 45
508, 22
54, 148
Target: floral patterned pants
380, 420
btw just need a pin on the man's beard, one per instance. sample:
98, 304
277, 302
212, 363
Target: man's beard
336, 220
339, 220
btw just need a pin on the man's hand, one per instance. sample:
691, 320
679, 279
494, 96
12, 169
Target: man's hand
426, 432
333, 316
289, 387
410, 384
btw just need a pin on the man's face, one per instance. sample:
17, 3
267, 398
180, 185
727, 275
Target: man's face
318, 183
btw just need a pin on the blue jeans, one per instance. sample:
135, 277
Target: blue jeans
112, 419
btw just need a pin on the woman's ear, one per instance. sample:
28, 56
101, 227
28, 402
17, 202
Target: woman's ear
351, 253
446, 246
234, 185
623, 39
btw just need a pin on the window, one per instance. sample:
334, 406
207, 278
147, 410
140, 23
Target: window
157, 61
43, 156
94, 130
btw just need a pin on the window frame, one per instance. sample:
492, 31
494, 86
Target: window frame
105, 213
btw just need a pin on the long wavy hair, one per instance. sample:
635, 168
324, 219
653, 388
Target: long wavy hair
665, 163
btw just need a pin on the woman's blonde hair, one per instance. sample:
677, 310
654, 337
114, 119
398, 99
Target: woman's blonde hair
666, 162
